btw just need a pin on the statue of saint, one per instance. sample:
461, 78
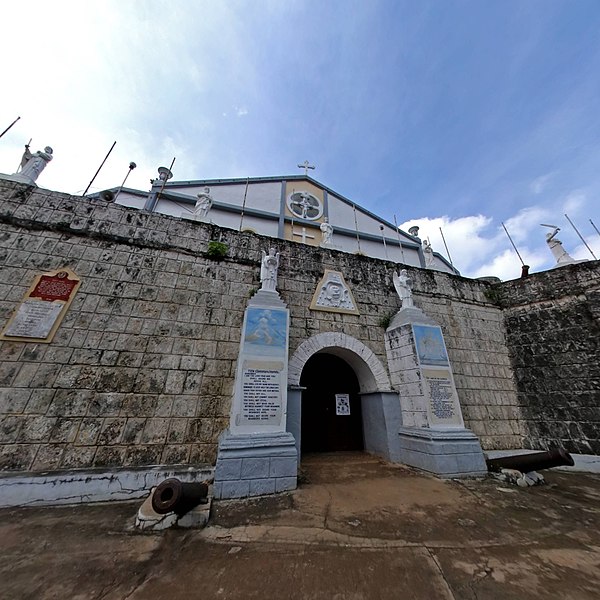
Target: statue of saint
403, 285
428, 252
556, 247
268, 270
203, 204
33, 164
327, 232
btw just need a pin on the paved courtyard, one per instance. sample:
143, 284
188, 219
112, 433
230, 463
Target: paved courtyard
357, 528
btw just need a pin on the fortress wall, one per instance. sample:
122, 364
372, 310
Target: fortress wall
141, 369
553, 332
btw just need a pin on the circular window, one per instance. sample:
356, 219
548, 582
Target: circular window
305, 206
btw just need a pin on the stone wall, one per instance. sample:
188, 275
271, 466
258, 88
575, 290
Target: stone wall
553, 325
141, 369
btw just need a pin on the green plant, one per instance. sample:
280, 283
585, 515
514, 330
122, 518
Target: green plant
493, 295
386, 319
217, 250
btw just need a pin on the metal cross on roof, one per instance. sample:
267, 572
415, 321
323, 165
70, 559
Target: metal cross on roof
306, 166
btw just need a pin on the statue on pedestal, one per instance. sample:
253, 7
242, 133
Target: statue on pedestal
403, 285
268, 270
203, 204
33, 164
327, 232
556, 247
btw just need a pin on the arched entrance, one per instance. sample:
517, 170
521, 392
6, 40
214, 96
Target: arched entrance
376, 405
331, 405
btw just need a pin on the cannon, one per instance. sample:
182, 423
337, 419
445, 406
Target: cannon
535, 461
175, 496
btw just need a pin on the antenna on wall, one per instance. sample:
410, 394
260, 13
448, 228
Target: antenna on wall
132, 166
399, 240
1, 134
524, 267
580, 236
98, 171
164, 175
446, 246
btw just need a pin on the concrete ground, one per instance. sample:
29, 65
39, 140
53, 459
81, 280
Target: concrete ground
357, 528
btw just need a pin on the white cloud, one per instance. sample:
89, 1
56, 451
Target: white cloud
240, 111
480, 247
574, 202
538, 185
464, 237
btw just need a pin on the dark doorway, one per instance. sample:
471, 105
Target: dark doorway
324, 429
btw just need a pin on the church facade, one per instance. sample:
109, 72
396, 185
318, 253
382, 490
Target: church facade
141, 369
295, 208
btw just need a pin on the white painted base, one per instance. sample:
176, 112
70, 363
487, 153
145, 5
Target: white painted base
255, 465
81, 486
147, 518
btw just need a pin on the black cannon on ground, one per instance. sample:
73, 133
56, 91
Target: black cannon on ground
176, 496
535, 461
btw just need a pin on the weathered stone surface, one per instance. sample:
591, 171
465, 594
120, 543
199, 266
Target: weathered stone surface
154, 332
553, 333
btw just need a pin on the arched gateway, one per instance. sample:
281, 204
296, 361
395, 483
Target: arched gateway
339, 359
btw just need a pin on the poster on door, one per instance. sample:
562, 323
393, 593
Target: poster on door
342, 404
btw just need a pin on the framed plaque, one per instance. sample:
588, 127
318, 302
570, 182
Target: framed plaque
43, 308
342, 404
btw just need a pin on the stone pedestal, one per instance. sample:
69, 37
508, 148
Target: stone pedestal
447, 453
255, 464
256, 455
432, 436
18, 178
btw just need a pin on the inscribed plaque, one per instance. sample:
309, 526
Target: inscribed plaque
342, 404
40, 313
442, 400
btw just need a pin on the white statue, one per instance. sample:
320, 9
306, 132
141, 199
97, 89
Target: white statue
203, 204
556, 247
33, 164
327, 232
268, 270
428, 252
403, 285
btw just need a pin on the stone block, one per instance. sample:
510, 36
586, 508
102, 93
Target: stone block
77, 457
255, 468
285, 484
283, 467
261, 487
234, 489
228, 469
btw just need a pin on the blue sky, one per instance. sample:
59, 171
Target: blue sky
459, 114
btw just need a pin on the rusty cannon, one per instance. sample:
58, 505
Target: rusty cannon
176, 496
535, 461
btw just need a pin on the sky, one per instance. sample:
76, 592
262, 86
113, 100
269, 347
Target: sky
457, 114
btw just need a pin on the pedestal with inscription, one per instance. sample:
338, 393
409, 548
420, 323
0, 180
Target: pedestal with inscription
433, 436
256, 455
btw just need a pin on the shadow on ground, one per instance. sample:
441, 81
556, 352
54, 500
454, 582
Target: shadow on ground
356, 528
